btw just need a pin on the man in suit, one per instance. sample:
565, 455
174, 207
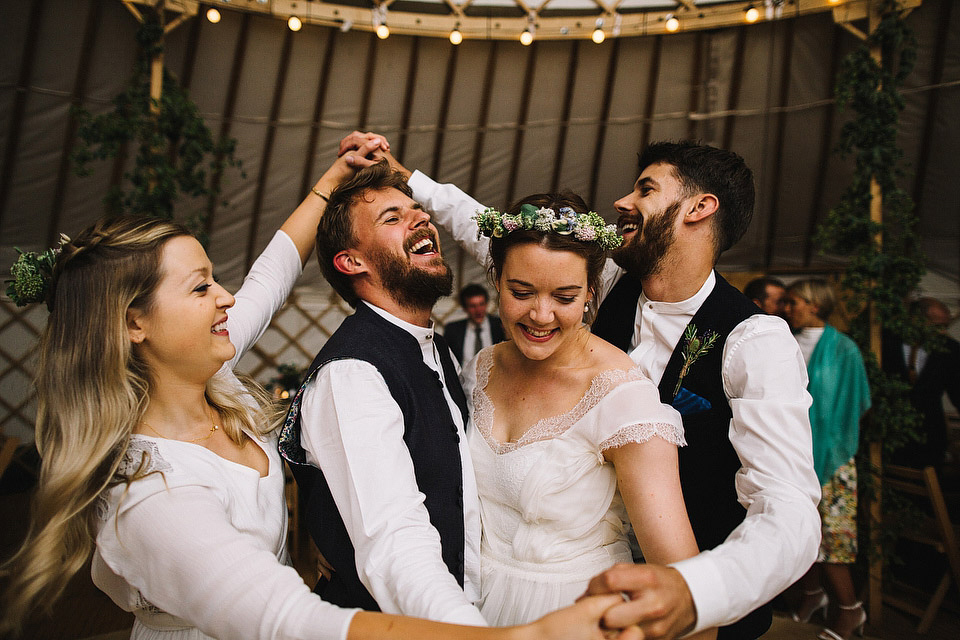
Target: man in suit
736, 376
376, 431
478, 331
930, 374
769, 294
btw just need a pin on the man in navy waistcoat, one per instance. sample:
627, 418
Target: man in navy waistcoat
375, 434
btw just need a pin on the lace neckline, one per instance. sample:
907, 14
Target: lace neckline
545, 428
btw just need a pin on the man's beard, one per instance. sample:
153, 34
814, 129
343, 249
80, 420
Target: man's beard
411, 286
644, 255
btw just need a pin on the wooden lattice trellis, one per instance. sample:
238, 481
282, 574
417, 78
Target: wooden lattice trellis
297, 332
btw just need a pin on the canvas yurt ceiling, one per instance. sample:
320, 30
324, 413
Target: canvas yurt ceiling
497, 118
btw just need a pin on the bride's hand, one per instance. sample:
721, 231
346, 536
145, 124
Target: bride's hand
580, 621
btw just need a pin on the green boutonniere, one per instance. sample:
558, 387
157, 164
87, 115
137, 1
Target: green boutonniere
694, 348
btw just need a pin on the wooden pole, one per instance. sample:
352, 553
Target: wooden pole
875, 583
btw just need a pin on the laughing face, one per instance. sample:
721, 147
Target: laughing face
396, 237
542, 295
646, 221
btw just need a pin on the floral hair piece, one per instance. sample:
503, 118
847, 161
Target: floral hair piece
586, 227
32, 275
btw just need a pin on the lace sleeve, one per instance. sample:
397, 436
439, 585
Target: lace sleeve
636, 433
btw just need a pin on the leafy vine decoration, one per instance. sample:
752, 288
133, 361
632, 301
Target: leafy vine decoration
176, 154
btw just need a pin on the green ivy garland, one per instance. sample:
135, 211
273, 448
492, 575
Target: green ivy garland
879, 275
173, 145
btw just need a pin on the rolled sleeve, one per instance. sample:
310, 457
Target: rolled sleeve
352, 429
765, 380
451, 209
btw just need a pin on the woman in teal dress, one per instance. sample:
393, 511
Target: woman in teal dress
841, 395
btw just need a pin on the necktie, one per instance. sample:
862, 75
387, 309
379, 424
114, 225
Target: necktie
477, 343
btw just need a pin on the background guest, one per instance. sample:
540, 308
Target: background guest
478, 330
841, 395
930, 374
768, 293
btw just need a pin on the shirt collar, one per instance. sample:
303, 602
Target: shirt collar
688, 306
424, 335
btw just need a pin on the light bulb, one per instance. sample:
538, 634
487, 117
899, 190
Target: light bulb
598, 35
213, 15
526, 38
456, 37
383, 32
752, 14
294, 23
672, 24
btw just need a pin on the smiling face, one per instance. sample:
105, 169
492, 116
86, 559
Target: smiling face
184, 332
647, 220
542, 295
400, 248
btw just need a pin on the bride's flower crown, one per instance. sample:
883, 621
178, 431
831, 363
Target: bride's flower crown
585, 227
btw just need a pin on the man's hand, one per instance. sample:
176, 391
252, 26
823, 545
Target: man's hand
355, 150
660, 603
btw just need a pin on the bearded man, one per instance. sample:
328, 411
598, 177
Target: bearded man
376, 431
736, 376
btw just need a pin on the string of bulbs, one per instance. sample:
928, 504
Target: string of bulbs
607, 24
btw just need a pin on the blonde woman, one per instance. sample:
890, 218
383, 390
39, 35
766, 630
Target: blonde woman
156, 458
841, 395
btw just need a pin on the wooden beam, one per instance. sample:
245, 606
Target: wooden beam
774, 215
933, 101
483, 118
565, 115
697, 72
324, 69
20, 103
522, 121
444, 114
368, 82
736, 82
408, 93
653, 80
230, 103
76, 100
612, 64
817, 204
267, 154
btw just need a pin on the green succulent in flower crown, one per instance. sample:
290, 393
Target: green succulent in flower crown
32, 273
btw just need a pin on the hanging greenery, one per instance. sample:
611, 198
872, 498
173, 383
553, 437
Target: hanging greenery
176, 153
885, 260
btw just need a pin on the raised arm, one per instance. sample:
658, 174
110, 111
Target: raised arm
301, 226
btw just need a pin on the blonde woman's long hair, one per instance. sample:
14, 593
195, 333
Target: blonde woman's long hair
92, 390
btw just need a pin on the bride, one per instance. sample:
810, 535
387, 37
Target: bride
563, 419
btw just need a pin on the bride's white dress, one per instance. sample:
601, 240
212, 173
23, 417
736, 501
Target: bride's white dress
552, 516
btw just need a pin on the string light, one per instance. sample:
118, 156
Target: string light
294, 23
598, 34
383, 32
213, 15
455, 36
672, 23
752, 14
526, 38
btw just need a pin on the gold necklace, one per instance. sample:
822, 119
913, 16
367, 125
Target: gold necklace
213, 429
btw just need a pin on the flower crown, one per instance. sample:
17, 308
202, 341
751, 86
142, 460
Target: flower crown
33, 274
586, 227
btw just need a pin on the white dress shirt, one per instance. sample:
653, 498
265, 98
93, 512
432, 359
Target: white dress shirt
765, 380
352, 429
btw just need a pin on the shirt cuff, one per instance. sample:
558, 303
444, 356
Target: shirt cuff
707, 588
